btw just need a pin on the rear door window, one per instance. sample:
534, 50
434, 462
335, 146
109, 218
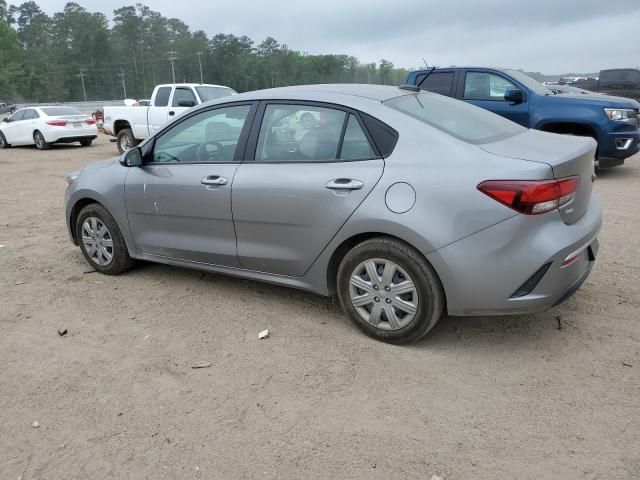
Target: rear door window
299, 133
355, 145
306, 133
438, 82
162, 97
30, 114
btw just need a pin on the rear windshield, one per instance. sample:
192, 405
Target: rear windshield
211, 93
60, 111
459, 119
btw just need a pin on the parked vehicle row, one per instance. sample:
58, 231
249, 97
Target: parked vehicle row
44, 126
131, 124
406, 204
611, 121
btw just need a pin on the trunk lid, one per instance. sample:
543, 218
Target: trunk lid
566, 155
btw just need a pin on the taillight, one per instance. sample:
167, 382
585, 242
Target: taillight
531, 197
91, 121
57, 123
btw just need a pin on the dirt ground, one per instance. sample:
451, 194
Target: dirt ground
117, 397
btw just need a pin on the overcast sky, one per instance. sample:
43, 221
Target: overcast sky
551, 36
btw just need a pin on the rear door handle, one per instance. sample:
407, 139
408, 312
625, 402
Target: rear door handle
344, 184
172, 113
214, 180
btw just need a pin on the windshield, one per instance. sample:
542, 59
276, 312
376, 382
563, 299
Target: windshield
532, 84
60, 111
211, 93
464, 121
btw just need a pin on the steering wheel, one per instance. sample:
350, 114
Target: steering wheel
206, 154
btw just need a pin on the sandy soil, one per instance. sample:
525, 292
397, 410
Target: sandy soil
479, 398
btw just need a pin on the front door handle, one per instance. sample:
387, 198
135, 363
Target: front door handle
344, 184
214, 180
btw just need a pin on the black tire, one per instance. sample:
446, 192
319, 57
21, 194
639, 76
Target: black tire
125, 137
3, 141
87, 142
121, 261
41, 143
431, 298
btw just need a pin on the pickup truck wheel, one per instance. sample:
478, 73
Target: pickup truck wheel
125, 140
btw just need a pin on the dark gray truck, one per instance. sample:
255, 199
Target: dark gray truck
7, 107
621, 82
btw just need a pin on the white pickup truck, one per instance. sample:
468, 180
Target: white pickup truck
130, 125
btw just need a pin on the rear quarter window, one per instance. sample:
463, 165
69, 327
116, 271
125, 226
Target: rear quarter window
384, 137
437, 82
459, 119
162, 97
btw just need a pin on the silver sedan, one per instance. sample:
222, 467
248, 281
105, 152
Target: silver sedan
405, 205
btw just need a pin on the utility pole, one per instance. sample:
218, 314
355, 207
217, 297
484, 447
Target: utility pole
82, 74
172, 58
199, 54
124, 87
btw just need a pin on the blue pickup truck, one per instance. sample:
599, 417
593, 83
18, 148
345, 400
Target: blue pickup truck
613, 121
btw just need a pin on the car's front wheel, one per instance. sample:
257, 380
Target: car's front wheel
3, 141
389, 290
101, 241
41, 143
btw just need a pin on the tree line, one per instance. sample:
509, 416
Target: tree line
77, 54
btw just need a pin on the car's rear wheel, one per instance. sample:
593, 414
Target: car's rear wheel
125, 140
3, 141
101, 241
389, 290
87, 142
41, 143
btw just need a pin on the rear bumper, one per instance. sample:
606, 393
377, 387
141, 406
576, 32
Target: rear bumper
69, 134
480, 273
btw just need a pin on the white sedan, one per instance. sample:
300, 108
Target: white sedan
44, 126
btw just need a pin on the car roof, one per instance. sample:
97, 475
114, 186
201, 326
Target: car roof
191, 85
339, 90
467, 67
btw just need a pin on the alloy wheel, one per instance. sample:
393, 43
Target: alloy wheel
97, 241
125, 143
383, 294
39, 140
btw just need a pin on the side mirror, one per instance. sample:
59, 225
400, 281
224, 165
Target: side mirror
6, 120
514, 95
186, 103
132, 157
